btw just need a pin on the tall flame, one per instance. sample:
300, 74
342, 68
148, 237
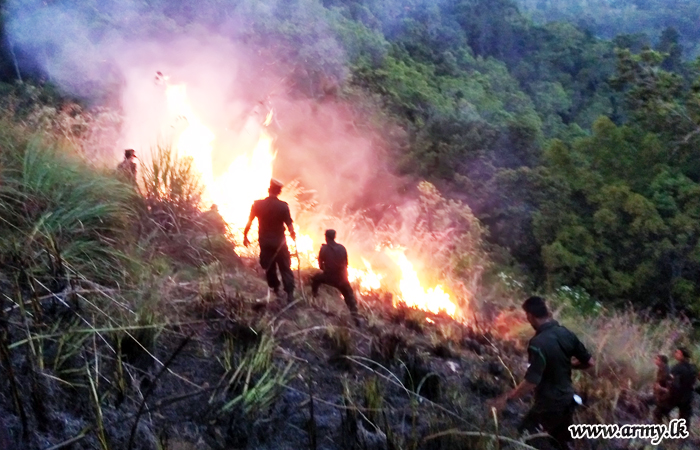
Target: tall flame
247, 179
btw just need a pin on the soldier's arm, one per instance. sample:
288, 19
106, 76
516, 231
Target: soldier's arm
252, 216
290, 225
524, 388
322, 258
581, 360
533, 376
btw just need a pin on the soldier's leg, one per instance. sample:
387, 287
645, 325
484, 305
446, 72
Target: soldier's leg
348, 295
685, 411
267, 262
533, 423
558, 427
284, 262
661, 412
316, 282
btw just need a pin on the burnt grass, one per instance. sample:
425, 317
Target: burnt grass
405, 379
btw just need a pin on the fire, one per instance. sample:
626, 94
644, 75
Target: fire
414, 295
366, 279
195, 140
302, 251
247, 179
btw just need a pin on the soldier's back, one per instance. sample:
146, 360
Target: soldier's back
272, 214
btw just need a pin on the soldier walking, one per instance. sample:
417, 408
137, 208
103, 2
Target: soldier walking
273, 214
333, 261
553, 352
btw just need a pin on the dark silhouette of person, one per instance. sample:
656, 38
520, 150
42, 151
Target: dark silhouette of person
553, 352
127, 168
662, 389
680, 395
333, 261
273, 214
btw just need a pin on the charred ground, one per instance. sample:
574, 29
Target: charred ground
129, 322
224, 366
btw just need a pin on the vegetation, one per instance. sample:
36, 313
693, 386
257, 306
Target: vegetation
554, 161
647, 19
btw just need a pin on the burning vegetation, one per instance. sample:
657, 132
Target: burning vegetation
135, 320
375, 265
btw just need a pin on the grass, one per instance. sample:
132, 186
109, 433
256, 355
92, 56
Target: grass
63, 220
100, 282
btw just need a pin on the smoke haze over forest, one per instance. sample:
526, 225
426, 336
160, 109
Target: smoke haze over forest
471, 95
235, 74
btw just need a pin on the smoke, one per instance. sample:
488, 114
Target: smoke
236, 65
232, 65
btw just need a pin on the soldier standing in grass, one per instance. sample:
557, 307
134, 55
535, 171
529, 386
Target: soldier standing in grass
273, 214
552, 353
680, 395
127, 168
333, 261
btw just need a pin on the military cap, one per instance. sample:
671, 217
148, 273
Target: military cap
276, 183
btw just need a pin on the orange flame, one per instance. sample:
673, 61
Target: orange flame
366, 279
413, 294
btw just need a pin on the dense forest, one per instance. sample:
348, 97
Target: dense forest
579, 153
647, 19
524, 147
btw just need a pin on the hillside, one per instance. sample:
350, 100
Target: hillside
646, 18
469, 154
470, 95
132, 327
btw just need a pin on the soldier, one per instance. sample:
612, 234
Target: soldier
273, 214
333, 261
127, 168
683, 376
553, 352
662, 389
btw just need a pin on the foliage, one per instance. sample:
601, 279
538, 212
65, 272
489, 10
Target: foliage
61, 219
621, 220
608, 18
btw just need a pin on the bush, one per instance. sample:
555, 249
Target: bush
62, 219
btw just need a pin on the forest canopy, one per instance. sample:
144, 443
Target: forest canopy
573, 138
